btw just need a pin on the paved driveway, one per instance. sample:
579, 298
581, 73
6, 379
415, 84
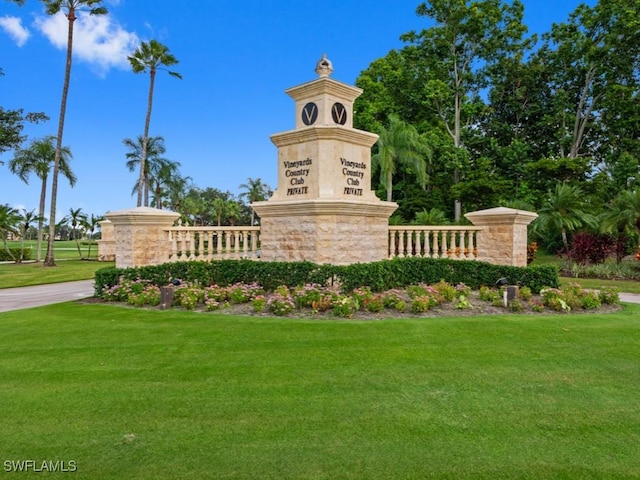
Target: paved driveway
36, 296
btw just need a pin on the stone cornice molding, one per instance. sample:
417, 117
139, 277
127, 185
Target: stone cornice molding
330, 132
142, 216
501, 215
324, 207
324, 86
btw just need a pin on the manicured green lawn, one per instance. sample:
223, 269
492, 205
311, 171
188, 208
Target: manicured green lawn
61, 249
27, 274
128, 393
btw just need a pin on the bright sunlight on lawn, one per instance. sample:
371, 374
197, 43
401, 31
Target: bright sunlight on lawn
130, 393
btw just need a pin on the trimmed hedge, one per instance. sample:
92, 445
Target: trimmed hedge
6, 257
382, 275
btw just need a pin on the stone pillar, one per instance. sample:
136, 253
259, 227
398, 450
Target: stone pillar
140, 236
323, 231
107, 242
323, 209
503, 238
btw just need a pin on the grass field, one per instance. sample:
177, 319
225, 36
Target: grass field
24, 275
126, 393
68, 268
61, 249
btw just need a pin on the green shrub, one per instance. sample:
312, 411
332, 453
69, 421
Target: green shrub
374, 303
591, 301
281, 303
463, 303
377, 276
423, 303
515, 305
609, 296
525, 294
345, 306
14, 254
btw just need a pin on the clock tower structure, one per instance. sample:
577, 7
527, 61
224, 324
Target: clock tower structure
323, 209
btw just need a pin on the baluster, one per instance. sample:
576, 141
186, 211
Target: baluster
465, 242
401, 243
186, 251
392, 243
242, 235
236, 244
197, 244
206, 245
433, 243
254, 242
174, 247
224, 243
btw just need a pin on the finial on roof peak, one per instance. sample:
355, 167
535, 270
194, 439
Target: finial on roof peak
324, 67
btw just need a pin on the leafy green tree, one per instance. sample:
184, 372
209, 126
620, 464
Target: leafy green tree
255, 190
622, 217
565, 210
70, 7
150, 57
590, 56
401, 144
457, 55
434, 216
9, 225
39, 158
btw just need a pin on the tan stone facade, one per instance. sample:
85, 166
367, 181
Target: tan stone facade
503, 238
141, 236
323, 209
335, 232
107, 242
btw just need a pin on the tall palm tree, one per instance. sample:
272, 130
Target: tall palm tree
149, 57
90, 224
9, 224
564, 211
26, 219
233, 211
155, 150
38, 158
70, 7
160, 177
401, 144
76, 219
219, 208
256, 191
623, 218
177, 189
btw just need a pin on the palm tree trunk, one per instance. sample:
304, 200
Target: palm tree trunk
565, 242
49, 260
145, 140
43, 196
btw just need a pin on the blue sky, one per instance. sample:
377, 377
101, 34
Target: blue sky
236, 58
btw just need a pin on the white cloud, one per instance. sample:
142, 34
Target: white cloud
97, 40
13, 27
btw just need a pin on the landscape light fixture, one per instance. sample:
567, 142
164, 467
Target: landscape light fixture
501, 282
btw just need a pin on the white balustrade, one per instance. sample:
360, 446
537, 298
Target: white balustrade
213, 243
433, 241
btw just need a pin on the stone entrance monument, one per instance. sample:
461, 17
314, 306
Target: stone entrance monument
323, 209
